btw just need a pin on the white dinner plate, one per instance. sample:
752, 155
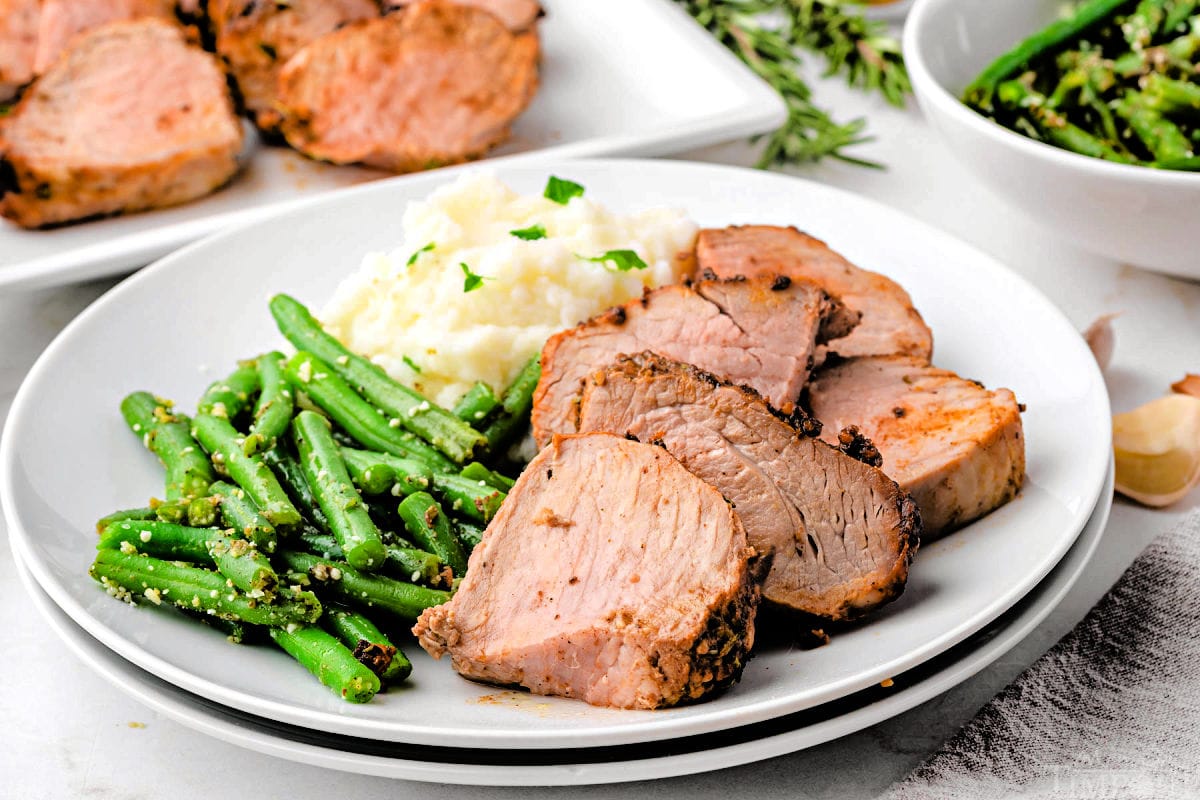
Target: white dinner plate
600, 765
67, 458
620, 77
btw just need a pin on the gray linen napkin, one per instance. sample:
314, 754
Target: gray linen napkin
1111, 711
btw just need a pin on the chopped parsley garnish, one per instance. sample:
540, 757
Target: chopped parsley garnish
561, 191
411, 364
413, 258
622, 260
531, 233
472, 281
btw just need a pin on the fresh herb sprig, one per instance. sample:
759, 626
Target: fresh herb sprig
769, 35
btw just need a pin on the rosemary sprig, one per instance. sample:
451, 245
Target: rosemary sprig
768, 36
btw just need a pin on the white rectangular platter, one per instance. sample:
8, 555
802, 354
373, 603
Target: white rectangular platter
628, 77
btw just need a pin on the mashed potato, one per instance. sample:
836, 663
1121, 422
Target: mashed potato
419, 324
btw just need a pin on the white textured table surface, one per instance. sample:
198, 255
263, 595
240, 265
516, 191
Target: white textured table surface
66, 733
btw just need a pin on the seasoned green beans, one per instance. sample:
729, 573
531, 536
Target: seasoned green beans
1116, 80
449, 434
324, 470
166, 434
296, 492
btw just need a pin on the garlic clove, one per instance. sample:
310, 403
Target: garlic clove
1189, 385
1101, 339
1157, 450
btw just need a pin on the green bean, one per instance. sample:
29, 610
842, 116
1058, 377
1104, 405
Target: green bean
1162, 137
377, 473
240, 513
125, 515
342, 582
1177, 15
129, 577
453, 437
470, 535
980, 91
478, 472
329, 660
202, 511
365, 423
230, 396
166, 435
325, 472
225, 445
159, 539
473, 499
1152, 17
291, 477
235, 558
1184, 164
1017, 95
405, 561
369, 644
273, 411
249, 570
474, 406
513, 415
320, 544
430, 528
1168, 96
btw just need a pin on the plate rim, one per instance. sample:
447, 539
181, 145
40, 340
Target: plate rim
759, 109
182, 707
503, 739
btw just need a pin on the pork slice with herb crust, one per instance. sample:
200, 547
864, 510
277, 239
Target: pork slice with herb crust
890, 325
761, 332
517, 15
435, 84
611, 574
841, 533
256, 38
61, 21
18, 44
957, 447
132, 117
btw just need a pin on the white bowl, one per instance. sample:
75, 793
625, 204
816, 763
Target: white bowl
1141, 216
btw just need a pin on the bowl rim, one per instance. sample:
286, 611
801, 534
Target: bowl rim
933, 92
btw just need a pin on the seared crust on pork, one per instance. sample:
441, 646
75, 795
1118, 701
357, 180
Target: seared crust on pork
841, 533
611, 574
889, 324
256, 38
517, 15
435, 84
761, 332
82, 144
957, 447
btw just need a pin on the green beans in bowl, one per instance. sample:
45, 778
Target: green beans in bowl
1088, 120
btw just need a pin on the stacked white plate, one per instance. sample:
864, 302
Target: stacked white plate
67, 459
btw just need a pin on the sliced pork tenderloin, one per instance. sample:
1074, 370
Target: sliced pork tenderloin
435, 84
957, 447
611, 574
890, 325
841, 533
517, 15
132, 117
18, 44
61, 21
761, 332
256, 38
